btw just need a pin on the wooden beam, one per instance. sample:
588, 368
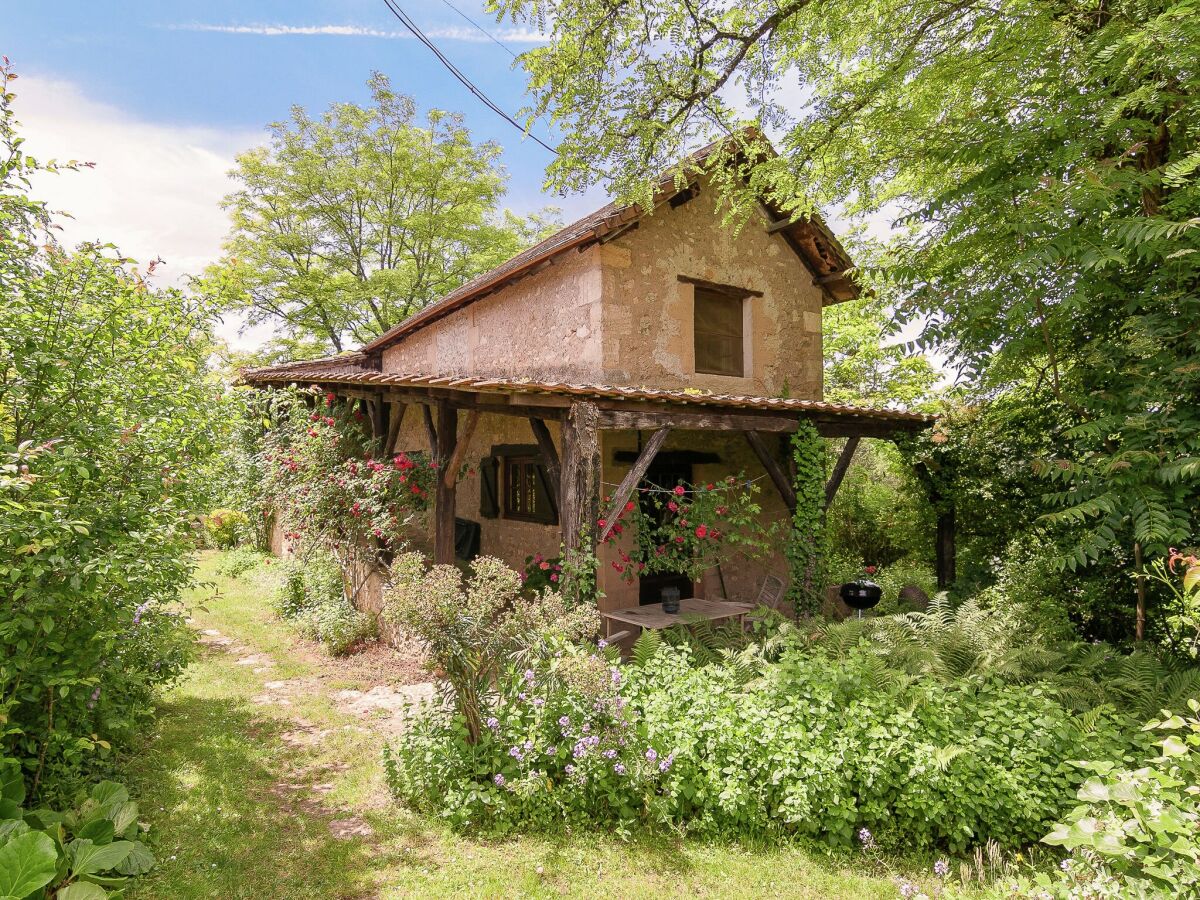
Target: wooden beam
829, 279
549, 457
946, 562
375, 416
872, 428
782, 483
430, 430
579, 505
631, 479
711, 420
445, 497
780, 225
731, 290
395, 420
839, 470
463, 442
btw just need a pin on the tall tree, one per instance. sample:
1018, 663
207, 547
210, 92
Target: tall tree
348, 223
1043, 157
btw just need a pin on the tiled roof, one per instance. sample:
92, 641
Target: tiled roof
353, 369
810, 238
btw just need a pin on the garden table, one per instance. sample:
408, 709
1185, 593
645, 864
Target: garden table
691, 610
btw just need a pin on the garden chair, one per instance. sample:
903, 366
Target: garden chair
772, 593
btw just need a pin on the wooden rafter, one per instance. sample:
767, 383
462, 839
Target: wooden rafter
549, 456
631, 479
839, 470
782, 483
395, 420
462, 443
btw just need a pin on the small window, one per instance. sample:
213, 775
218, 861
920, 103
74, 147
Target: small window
525, 491
718, 328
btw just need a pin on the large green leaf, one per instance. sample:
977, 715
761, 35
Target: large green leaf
12, 785
91, 858
139, 861
27, 863
81, 890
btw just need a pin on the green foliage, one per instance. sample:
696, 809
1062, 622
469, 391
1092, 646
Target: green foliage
1042, 157
349, 223
805, 544
1180, 575
241, 560
473, 628
313, 597
1134, 833
225, 527
811, 744
81, 853
107, 421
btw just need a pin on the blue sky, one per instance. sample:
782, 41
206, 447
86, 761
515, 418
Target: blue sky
233, 65
161, 95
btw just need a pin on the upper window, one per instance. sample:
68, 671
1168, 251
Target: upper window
718, 330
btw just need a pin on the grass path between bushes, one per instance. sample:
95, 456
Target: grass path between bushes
259, 780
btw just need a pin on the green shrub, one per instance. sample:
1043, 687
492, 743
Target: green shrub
78, 853
225, 527
239, 561
473, 627
812, 745
312, 597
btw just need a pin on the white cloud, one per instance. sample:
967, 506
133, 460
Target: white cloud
451, 33
155, 190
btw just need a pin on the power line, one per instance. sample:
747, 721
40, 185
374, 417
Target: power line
495, 40
454, 70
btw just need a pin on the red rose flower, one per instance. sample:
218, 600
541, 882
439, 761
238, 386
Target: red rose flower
679, 491
701, 531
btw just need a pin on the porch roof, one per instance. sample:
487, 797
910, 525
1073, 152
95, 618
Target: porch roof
355, 369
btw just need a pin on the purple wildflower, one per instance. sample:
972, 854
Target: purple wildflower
538, 701
619, 769
564, 722
908, 889
95, 696
529, 745
602, 643
610, 753
868, 839
570, 770
529, 674
499, 779
666, 762
551, 750
514, 752
521, 696
651, 754
941, 868
616, 676
492, 723
1065, 865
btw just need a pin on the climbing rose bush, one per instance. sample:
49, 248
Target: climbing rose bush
689, 528
331, 490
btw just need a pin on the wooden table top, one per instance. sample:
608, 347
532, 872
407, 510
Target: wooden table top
652, 615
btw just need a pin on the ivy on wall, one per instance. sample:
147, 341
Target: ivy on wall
805, 542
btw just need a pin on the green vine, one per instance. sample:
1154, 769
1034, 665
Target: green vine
805, 559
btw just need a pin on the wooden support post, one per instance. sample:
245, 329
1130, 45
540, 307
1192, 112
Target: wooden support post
839, 470
462, 443
945, 551
430, 431
630, 481
782, 483
446, 493
395, 420
375, 417
549, 458
579, 494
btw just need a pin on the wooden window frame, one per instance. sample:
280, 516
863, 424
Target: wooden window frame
736, 298
531, 470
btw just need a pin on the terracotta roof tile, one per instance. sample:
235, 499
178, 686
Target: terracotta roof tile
349, 369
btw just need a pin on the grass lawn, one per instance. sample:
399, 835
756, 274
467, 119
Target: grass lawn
247, 800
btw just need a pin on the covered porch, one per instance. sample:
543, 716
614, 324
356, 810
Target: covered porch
594, 445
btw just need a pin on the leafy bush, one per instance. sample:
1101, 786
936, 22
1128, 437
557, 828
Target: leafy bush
107, 422
312, 596
225, 527
473, 628
812, 744
73, 855
239, 561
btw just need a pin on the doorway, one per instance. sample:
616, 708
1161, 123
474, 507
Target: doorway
664, 473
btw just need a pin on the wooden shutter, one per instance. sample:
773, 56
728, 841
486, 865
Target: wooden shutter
544, 508
718, 333
489, 491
